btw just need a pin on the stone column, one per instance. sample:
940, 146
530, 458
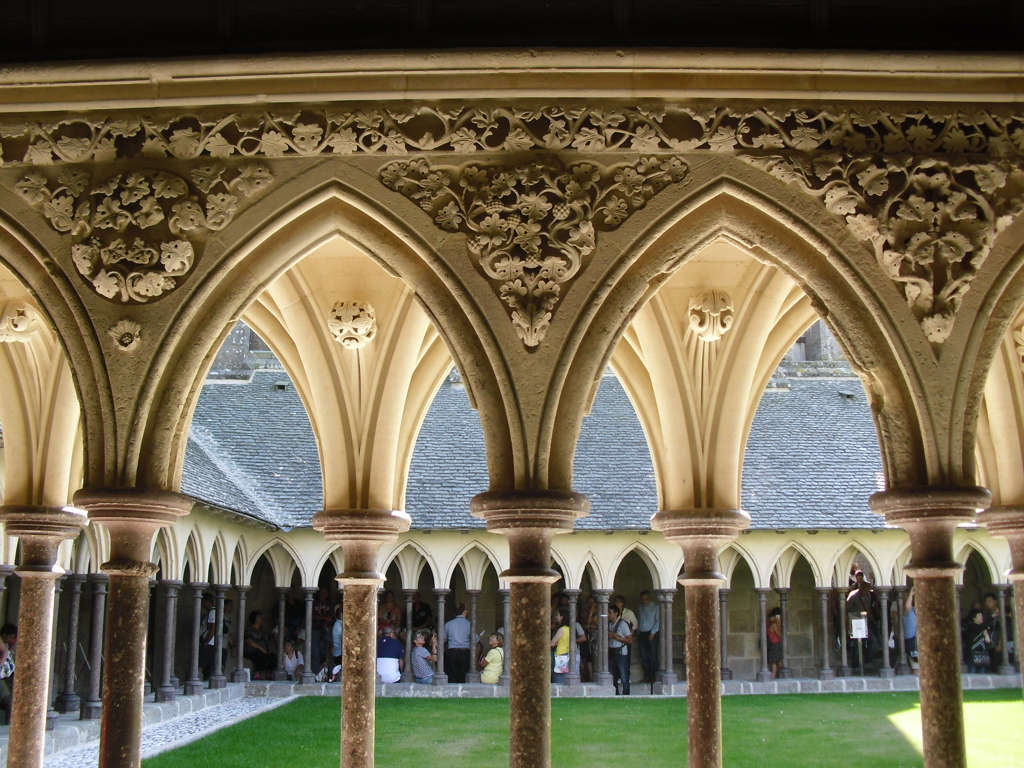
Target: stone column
785, 673
68, 700
667, 674
473, 676
825, 672
930, 516
149, 660
360, 533
959, 615
40, 531
407, 675
1005, 667
440, 678
5, 572
132, 517
602, 676
723, 620
844, 668
573, 677
168, 691
506, 612
92, 707
194, 684
279, 673
529, 520
241, 674
883, 598
308, 674
764, 674
902, 667
701, 533
217, 679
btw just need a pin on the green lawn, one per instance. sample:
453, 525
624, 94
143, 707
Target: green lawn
848, 730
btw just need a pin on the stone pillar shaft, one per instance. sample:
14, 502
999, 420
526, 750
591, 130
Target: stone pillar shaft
723, 620
68, 700
931, 516
844, 667
194, 684
282, 630
440, 678
825, 672
902, 667
473, 676
667, 674
883, 598
783, 592
167, 691
573, 677
407, 674
217, 679
40, 531
506, 612
241, 674
764, 674
92, 707
1005, 668
602, 675
309, 674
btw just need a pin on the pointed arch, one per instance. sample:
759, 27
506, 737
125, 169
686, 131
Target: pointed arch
976, 547
659, 578
839, 568
731, 556
196, 557
785, 560
283, 559
598, 577
410, 557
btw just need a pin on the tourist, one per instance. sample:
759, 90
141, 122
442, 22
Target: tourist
389, 615
861, 601
207, 638
648, 627
630, 618
422, 616
979, 643
582, 651
337, 636
257, 647
910, 630
560, 646
994, 622
323, 619
774, 639
620, 636
390, 657
456, 636
8, 641
494, 663
291, 660
422, 672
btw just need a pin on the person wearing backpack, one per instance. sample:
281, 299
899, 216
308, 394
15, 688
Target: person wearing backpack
620, 637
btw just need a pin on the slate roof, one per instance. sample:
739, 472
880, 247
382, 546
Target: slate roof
252, 450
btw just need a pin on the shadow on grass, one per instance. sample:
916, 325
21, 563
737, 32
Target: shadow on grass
880, 730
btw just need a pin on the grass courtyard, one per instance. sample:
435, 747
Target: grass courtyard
850, 730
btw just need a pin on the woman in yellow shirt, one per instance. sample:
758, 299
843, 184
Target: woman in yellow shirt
560, 643
494, 662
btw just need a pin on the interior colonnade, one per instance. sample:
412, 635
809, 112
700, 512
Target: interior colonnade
377, 234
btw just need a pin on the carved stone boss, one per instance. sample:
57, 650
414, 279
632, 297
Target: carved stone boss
711, 314
18, 323
353, 323
926, 189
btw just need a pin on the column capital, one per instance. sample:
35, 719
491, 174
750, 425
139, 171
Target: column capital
407, 592
40, 530
309, 592
723, 591
763, 591
701, 533
198, 586
133, 505
783, 591
283, 590
242, 588
842, 590
602, 595
221, 588
474, 592
511, 511
361, 533
1008, 523
823, 591
571, 593
442, 592
666, 595
76, 580
505, 592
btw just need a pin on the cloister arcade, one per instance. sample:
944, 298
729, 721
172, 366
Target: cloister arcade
374, 236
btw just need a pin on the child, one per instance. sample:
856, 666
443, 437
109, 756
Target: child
291, 660
494, 662
421, 669
979, 641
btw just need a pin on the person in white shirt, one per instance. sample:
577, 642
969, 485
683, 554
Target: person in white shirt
292, 660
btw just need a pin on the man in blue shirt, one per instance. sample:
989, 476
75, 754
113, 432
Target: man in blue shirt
457, 655
648, 626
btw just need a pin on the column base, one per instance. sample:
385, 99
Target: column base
240, 676
174, 683
572, 680
69, 702
726, 673
503, 680
218, 681
51, 719
166, 693
307, 678
603, 678
666, 678
193, 688
408, 677
887, 673
474, 677
440, 679
147, 688
764, 676
844, 672
280, 676
786, 674
826, 674
903, 669
91, 710
1007, 669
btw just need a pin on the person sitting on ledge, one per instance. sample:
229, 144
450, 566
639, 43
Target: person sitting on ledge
421, 657
292, 660
494, 662
257, 647
390, 659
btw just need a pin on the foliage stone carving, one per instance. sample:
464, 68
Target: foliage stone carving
126, 335
134, 236
18, 323
711, 314
532, 226
353, 324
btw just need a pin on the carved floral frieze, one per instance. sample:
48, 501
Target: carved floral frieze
353, 324
134, 235
18, 323
711, 314
532, 226
927, 190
